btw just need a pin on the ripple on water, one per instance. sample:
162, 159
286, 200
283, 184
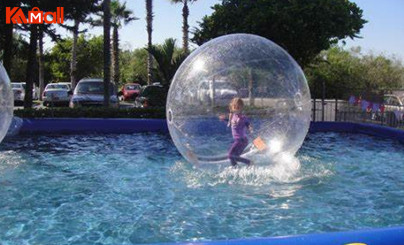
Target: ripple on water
126, 189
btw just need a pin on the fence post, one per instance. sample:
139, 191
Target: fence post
336, 110
314, 109
322, 102
382, 118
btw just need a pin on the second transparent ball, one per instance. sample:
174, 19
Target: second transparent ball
6, 102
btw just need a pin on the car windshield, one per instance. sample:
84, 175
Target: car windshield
15, 85
391, 100
222, 85
218, 85
152, 91
66, 84
132, 87
57, 86
93, 88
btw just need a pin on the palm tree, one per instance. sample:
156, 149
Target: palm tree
119, 14
168, 60
185, 26
6, 34
73, 61
40, 63
78, 10
149, 27
107, 50
8, 46
31, 65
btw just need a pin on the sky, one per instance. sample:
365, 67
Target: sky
383, 34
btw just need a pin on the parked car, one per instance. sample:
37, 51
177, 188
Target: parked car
130, 91
393, 108
19, 92
393, 102
90, 92
223, 94
152, 95
67, 84
56, 94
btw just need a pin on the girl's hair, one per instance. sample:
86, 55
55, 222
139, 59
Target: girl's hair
236, 102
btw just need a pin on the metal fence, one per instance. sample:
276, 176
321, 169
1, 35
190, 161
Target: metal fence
385, 109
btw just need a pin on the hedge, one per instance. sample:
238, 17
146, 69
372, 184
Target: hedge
91, 112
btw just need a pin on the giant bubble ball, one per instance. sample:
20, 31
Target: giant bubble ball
6, 102
264, 76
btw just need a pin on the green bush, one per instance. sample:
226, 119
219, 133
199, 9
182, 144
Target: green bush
96, 112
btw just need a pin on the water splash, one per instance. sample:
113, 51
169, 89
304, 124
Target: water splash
9, 160
285, 166
282, 168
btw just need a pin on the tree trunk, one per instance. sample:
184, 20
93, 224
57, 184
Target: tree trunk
30, 72
107, 50
149, 21
73, 61
8, 47
40, 63
115, 54
185, 27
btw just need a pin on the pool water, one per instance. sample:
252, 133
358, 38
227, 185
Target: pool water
128, 189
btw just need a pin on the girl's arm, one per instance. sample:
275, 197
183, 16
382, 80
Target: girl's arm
229, 122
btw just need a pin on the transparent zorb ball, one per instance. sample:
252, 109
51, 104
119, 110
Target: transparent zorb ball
6, 102
270, 83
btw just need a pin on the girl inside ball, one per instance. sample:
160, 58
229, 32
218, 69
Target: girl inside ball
239, 124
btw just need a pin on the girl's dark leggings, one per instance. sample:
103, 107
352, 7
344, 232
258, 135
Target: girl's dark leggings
236, 150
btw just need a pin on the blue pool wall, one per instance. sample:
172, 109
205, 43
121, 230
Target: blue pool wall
90, 125
392, 235
385, 236
84, 125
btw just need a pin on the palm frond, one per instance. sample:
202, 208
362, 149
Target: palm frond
168, 61
120, 13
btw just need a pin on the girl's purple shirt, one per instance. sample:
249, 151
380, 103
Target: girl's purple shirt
239, 124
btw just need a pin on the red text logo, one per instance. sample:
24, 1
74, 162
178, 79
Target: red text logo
15, 15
